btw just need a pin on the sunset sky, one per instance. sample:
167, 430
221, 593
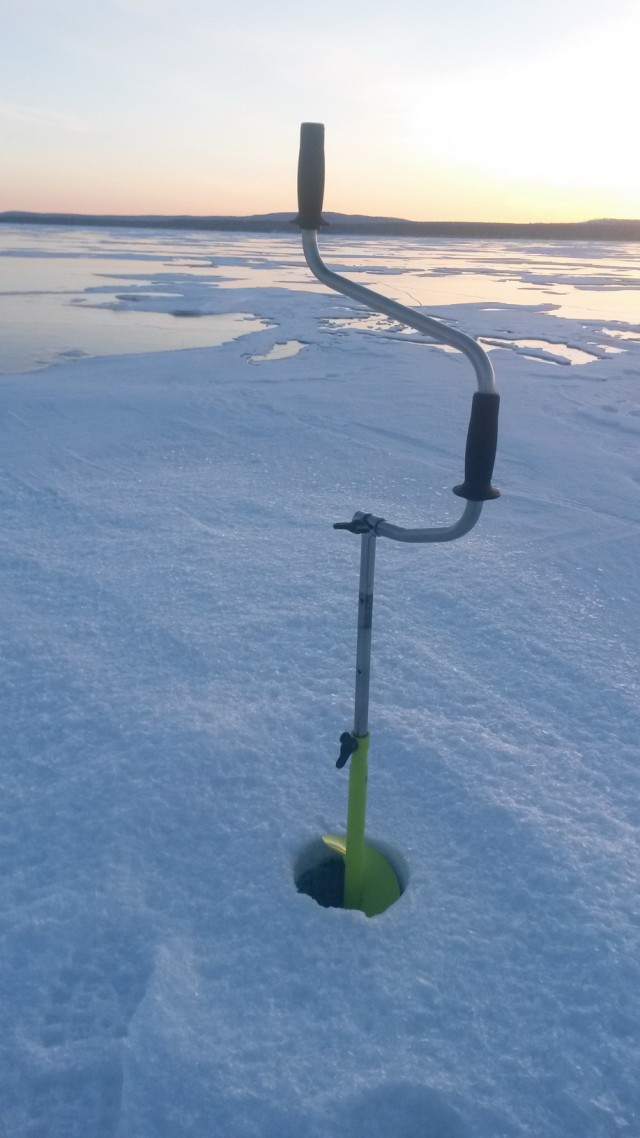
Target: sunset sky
434, 109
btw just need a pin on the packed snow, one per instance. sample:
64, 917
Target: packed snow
178, 660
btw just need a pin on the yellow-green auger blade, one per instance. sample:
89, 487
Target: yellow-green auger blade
380, 886
370, 884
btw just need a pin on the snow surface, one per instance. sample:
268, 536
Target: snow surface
178, 652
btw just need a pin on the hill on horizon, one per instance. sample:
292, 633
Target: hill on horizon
600, 229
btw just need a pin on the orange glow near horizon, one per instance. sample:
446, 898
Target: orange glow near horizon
537, 127
418, 195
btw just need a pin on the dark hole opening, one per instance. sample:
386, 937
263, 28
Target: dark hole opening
324, 881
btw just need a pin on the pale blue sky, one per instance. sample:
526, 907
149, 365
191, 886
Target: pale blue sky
434, 109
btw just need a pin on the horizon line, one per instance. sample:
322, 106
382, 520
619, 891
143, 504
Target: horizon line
617, 228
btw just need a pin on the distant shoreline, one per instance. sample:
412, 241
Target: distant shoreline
601, 230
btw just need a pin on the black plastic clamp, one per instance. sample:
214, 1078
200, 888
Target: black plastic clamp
348, 744
360, 523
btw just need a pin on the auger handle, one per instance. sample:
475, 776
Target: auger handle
482, 433
480, 453
311, 176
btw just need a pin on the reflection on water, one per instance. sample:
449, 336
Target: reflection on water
50, 276
546, 350
37, 330
619, 335
575, 280
67, 292
280, 351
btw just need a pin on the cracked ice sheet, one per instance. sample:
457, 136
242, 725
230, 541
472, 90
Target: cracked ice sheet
178, 666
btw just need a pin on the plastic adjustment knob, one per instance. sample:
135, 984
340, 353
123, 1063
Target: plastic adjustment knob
480, 454
311, 176
348, 747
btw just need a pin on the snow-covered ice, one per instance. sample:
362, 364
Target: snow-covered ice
178, 628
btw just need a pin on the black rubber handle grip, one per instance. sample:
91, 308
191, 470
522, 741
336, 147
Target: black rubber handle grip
480, 455
311, 176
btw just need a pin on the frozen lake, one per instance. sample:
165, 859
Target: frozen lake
178, 638
69, 293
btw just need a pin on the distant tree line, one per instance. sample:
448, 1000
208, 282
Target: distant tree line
601, 230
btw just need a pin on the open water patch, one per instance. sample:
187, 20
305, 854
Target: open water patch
622, 334
280, 351
546, 351
34, 337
